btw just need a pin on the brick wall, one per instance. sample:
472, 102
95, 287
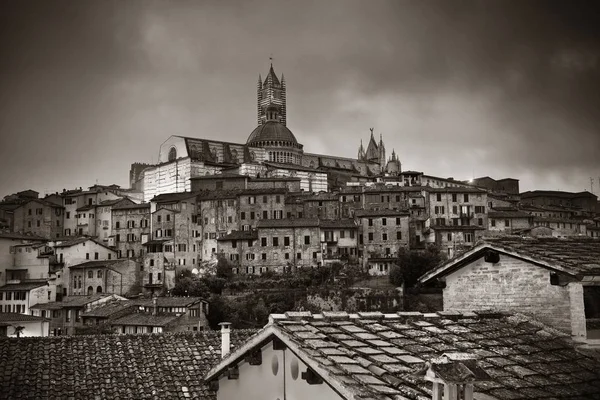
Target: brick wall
516, 286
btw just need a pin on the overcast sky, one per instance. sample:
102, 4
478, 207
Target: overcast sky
458, 88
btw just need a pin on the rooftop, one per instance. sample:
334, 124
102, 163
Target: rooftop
98, 263
572, 256
172, 197
70, 301
240, 235
146, 319
168, 301
164, 366
385, 356
16, 317
379, 213
109, 309
131, 206
508, 214
24, 285
288, 223
338, 223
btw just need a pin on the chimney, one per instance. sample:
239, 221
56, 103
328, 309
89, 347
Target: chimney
154, 306
225, 339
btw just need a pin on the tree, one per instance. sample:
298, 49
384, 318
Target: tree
224, 267
413, 264
18, 330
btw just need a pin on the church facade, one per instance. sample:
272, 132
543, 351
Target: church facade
271, 150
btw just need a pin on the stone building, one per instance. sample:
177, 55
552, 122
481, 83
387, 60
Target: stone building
122, 277
80, 208
240, 248
39, 217
550, 279
293, 243
382, 233
260, 204
339, 240
508, 222
217, 215
584, 201
130, 229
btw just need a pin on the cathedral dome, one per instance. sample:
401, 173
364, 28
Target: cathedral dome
272, 133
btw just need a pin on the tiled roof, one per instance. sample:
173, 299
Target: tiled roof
240, 235
75, 241
508, 214
23, 236
574, 256
385, 356
457, 227
561, 220
556, 193
143, 366
97, 263
70, 301
24, 285
288, 223
16, 317
145, 319
168, 301
172, 197
86, 207
456, 190
379, 213
246, 192
109, 309
219, 194
337, 223
131, 206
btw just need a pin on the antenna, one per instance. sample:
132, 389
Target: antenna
591, 185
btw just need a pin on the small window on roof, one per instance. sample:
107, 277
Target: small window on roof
172, 154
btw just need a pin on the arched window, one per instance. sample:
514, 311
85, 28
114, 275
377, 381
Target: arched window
99, 289
172, 154
90, 290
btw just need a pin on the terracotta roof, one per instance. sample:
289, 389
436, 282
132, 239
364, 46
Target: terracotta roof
240, 235
456, 190
131, 206
573, 256
109, 309
23, 236
556, 193
385, 356
288, 223
168, 301
380, 213
86, 207
70, 301
508, 214
16, 317
561, 220
337, 223
172, 197
98, 263
146, 319
143, 366
24, 285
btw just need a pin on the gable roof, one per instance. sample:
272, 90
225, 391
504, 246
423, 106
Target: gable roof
288, 223
18, 317
76, 241
573, 256
166, 365
384, 356
24, 285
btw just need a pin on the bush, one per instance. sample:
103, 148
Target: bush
413, 264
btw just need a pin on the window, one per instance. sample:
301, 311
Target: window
449, 236
384, 236
370, 221
306, 239
507, 223
242, 215
384, 221
454, 210
38, 223
479, 209
314, 254
299, 256
277, 199
265, 214
399, 235
468, 237
263, 241
439, 197
99, 274
249, 256
90, 274
286, 241
466, 197
151, 262
264, 256
275, 241
370, 236
265, 199
252, 215
68, 215
454, 197
493, 222
118, 224
118, 238
159, 276
342, 234
480, 221
251, 200
87, 256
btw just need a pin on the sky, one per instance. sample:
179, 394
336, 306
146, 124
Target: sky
457, 88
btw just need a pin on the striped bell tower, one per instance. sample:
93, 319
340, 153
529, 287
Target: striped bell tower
271, 91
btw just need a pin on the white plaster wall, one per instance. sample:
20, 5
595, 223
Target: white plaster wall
262, 382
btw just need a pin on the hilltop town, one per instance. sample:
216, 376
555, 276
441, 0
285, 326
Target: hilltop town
263, 232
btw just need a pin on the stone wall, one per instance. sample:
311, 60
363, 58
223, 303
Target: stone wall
516, 286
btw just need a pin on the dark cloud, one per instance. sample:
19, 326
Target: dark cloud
458, 88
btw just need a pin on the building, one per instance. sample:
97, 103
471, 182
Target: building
20, 296
270, 151
293, 243
80, 208
18, 325
584, 201
240, 249
122, 277
508, 222
553, 280
593, 228
40, 218
65, 315
562, 227
407, 355
8, 241
339, 241
130, 230
382, 233
103, 217
457, 217
507, 185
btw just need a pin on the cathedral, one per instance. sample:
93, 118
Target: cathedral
271, 151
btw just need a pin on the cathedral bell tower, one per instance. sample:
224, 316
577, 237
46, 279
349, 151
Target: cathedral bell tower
271, 92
